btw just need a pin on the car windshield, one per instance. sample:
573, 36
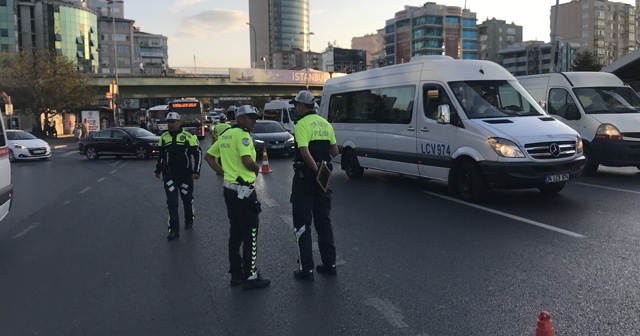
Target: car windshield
139, 132
494, 99
271, 127
20, 136
601, 100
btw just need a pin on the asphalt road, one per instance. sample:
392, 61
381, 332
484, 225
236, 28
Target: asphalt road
83, 252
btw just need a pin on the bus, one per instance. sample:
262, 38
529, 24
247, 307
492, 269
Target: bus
6, 188
191, 113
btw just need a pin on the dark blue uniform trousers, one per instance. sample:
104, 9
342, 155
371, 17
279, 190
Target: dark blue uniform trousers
309, 203
178, 185
243, 231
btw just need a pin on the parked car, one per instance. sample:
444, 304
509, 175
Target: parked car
119, 142
26, 146
272, 135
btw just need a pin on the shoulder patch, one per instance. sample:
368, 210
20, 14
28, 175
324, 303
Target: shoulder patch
182, 137
245, 142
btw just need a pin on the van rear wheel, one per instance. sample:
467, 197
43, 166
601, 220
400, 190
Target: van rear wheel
350, 164
471, 184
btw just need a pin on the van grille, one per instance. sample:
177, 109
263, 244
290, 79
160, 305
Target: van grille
551, 150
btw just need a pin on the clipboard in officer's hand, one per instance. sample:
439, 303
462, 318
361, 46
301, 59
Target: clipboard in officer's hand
324, 176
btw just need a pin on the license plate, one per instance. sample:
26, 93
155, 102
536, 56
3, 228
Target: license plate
39, 151
277, 146
556, 178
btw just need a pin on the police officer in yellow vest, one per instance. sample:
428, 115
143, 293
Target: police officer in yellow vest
315, 142
179, 161
238, 155
220, 127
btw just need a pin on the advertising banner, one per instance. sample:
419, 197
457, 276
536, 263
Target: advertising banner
93, 117
129, 103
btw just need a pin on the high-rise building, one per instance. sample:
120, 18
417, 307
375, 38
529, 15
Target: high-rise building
278, 26
116, 42
104, 8
151, 49
67, 27
373, 44
605, 28
495, 35
431, 30
534, 57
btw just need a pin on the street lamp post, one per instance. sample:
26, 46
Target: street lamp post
255, 50
307, 54
116, 92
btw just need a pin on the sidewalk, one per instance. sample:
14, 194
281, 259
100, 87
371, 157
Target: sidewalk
67, 141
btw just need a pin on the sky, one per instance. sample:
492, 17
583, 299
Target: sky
214, 33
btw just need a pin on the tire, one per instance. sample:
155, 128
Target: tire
11, 156
91, 153
142, 153
552, 188
591, 167
471, 184
350, 164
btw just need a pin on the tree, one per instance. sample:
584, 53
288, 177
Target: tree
586, 61
43, 83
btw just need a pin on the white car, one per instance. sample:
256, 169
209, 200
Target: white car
26, 146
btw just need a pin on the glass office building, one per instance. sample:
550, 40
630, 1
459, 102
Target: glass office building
8, 41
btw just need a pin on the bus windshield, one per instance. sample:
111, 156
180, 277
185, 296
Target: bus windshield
191, 112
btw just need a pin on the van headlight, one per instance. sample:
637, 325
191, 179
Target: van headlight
505, 148
580, 146
608, 132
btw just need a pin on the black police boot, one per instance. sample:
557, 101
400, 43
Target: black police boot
327, 269
188, 224
173, 235
236, 279
303, 275
258, 282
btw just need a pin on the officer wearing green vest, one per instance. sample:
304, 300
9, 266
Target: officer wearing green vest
238, 155
179, 160
315, 143
220, 127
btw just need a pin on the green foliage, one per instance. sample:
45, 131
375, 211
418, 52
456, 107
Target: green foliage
43, 81
586, 61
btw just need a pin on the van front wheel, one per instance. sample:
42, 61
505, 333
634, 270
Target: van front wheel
350, 164
470, 182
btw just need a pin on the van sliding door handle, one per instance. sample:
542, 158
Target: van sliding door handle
411, 129
424, 129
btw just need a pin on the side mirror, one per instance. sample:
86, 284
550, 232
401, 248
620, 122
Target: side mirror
444, 114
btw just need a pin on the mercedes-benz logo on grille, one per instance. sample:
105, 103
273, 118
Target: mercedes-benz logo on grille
554, 149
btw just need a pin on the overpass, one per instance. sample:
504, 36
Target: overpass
232, 83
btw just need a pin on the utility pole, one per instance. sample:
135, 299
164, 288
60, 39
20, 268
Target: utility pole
554, 39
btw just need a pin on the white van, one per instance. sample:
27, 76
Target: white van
597, 105
281, 111
6, 188
428, 118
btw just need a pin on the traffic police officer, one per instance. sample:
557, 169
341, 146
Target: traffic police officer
315, 142
179, 161
220, 127
238, 155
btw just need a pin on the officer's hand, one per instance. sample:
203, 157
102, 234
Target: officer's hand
195, 176
157, 175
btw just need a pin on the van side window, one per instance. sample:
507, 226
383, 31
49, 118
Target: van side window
434, 96
559, 102
386, 105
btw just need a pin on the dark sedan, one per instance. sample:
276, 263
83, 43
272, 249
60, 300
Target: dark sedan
118, 142
273, 136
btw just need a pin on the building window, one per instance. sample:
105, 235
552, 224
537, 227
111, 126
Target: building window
452, 19
4, 32
3, 2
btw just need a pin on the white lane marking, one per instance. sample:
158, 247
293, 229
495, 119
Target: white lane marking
69, 153
113, 171
124, 164
270, 203
102, 179
608, 188
85, 190
115, 163
24, 232
504, 214
66, 202
390, 312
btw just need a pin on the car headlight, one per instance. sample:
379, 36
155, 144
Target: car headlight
19, 146
505, 148
290, 140
608, 132
258, 141
580, 146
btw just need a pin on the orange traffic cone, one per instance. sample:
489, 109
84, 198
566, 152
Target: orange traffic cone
265, 162
544, 327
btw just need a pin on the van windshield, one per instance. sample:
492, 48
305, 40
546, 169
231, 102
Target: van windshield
494, 99
602, 100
